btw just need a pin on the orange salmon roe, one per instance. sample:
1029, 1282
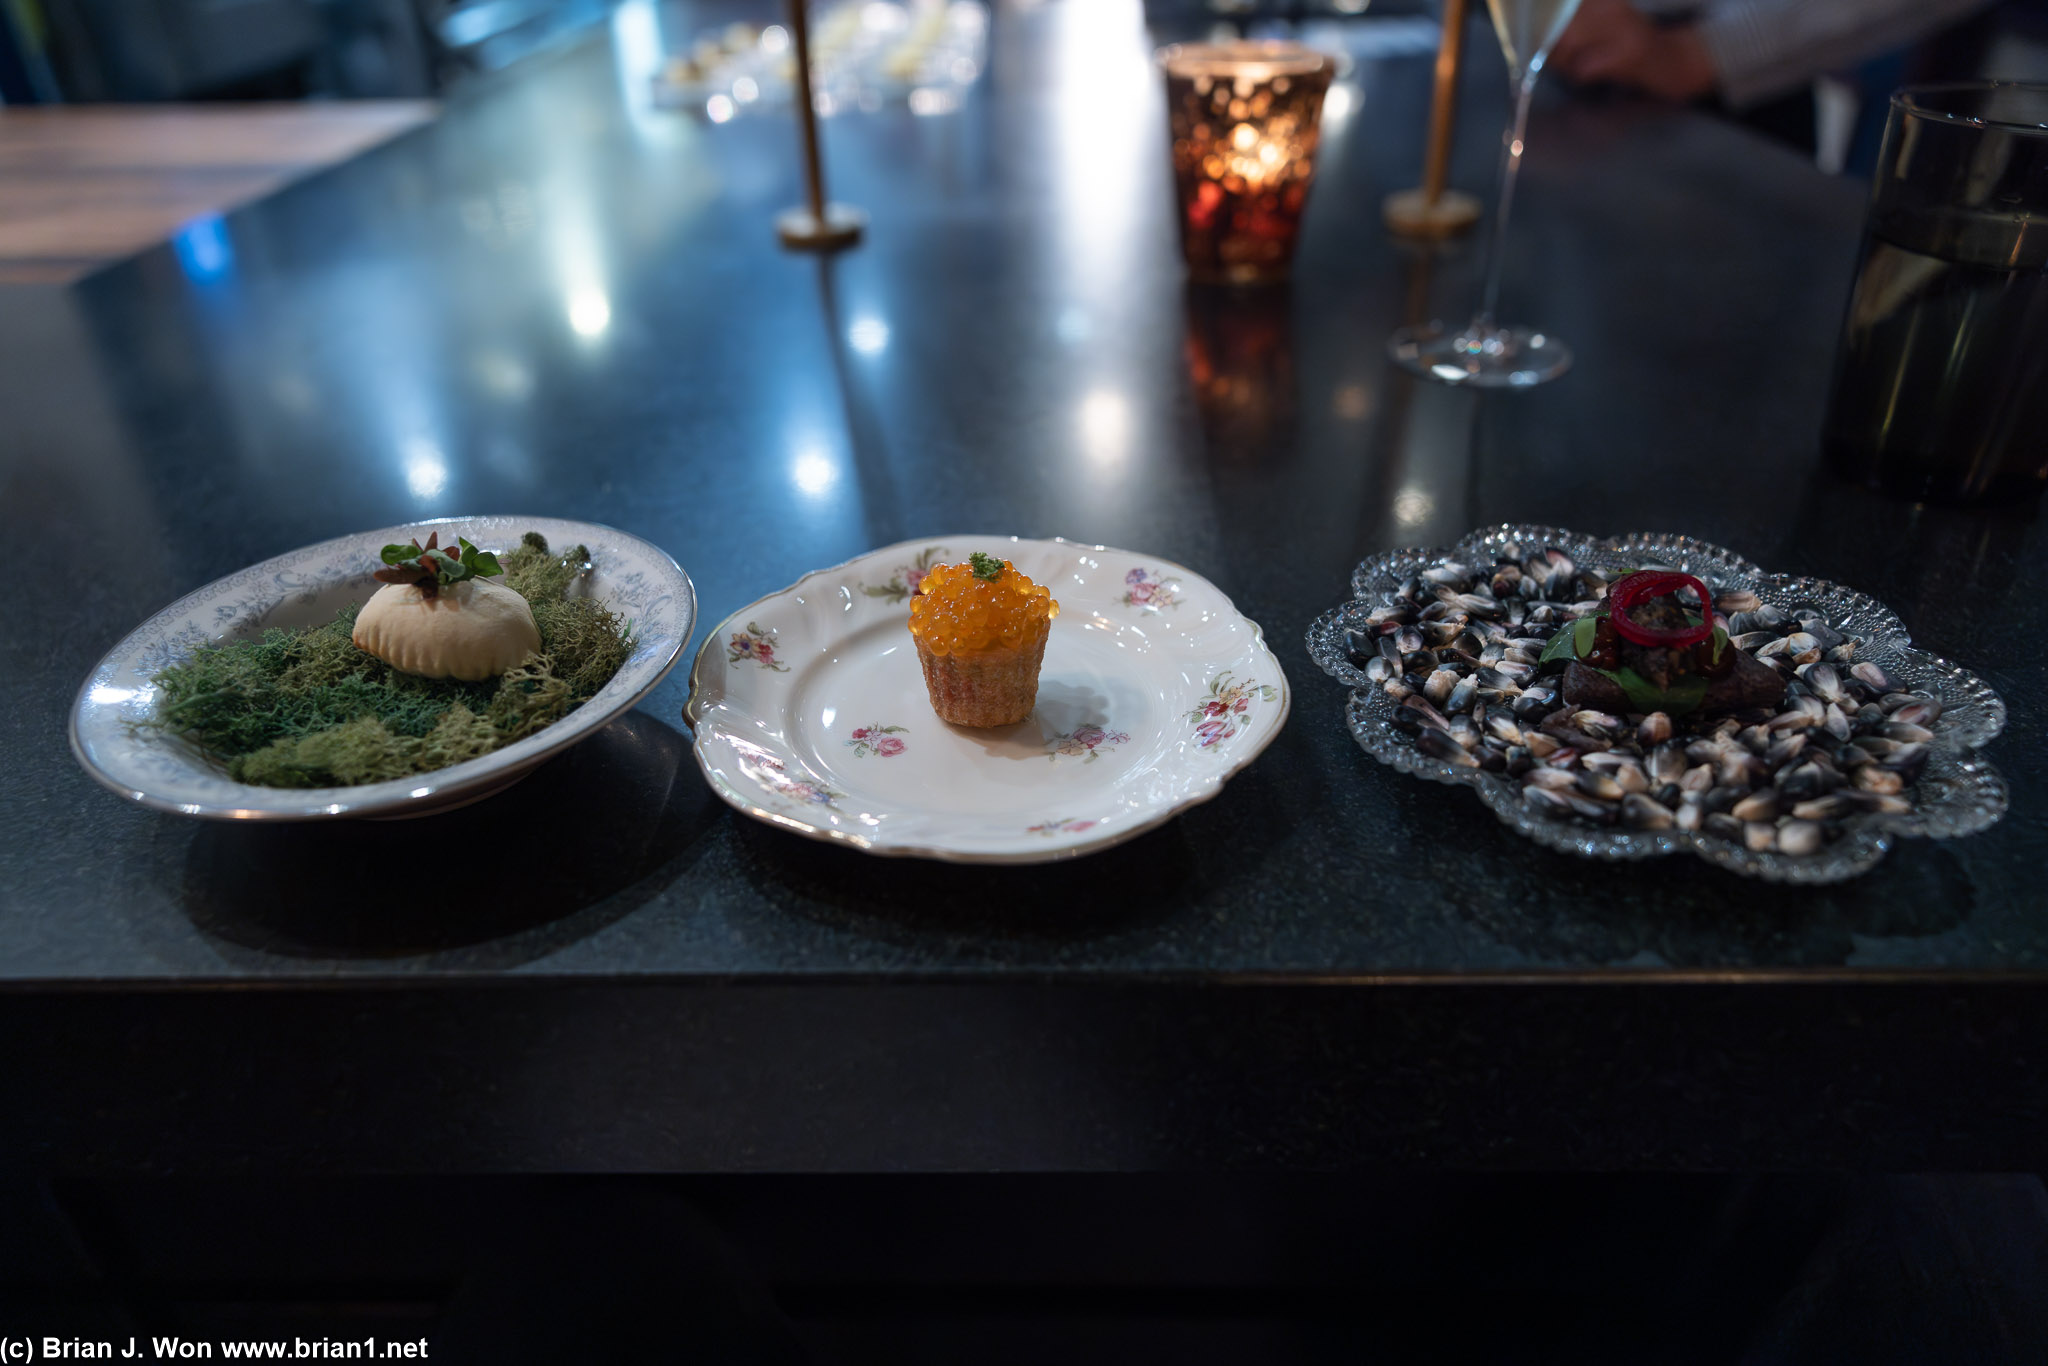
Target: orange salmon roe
955, 613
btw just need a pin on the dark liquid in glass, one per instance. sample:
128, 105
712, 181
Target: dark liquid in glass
1941, 386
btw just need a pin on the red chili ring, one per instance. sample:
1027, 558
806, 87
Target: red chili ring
1641, 587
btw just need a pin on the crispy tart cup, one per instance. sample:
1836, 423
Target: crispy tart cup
994, 687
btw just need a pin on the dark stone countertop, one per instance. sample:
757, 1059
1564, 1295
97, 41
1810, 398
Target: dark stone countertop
393, 340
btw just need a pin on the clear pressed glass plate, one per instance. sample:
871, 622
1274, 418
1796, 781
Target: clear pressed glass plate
1959, 793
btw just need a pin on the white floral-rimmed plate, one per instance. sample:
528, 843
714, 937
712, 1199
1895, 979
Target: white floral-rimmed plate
810, 709
308, 586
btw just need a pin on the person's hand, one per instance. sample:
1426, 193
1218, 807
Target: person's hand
1609, 42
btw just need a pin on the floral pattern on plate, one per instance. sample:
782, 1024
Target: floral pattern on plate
1149, 591
1114, 682
1086, 741
879, 740
755, 645
1224, 713
907, 577
770, 772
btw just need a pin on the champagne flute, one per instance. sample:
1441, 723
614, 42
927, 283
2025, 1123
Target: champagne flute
1486, 355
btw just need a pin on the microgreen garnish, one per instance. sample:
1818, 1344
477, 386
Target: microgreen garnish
1583, 631
431, 567
984, 566
1575, 642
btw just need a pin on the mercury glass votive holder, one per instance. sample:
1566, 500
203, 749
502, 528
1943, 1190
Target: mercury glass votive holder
1244, 118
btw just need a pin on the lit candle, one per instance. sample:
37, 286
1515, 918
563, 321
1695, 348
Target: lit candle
1244, 118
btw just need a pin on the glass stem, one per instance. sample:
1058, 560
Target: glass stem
1510, 165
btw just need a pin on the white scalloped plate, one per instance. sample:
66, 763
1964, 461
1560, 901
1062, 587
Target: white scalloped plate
308, 586
810, 709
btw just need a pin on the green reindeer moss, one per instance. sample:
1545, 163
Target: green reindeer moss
306, 708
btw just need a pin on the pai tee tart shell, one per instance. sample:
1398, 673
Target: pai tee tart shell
981, 642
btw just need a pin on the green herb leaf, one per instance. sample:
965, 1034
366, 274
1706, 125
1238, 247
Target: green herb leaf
1685, 695
1560, 647
1681, 697
985, 566
1720, 642
1582, 635
437, 565
479, 562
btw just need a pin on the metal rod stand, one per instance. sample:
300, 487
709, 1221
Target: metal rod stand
818, 226
1431, 212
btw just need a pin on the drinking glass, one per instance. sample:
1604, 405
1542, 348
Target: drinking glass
1941, 380
1244, 117
1486, 355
